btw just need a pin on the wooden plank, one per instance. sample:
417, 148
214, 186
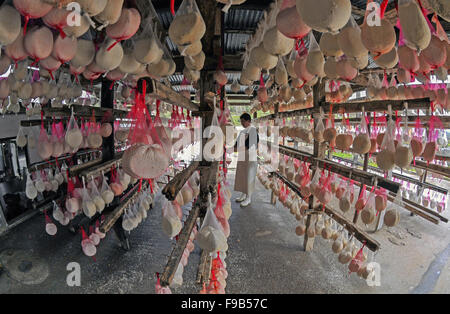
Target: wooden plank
400, 176
359, 234
75, 170
183, 238
171, 190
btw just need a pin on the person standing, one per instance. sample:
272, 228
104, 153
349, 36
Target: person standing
247, 165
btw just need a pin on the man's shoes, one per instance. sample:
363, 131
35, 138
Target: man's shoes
242, 198
246, 202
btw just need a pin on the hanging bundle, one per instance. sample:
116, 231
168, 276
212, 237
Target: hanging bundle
386, 157
315, 60
362, 144
289, 22
188, 25
349, 39
414, 25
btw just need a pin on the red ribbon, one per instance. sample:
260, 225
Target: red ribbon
383, 8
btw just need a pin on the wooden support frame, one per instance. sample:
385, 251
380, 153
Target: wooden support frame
204, 268
183, 238
84, 111
172, 188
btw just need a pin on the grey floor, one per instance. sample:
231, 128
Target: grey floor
265, 256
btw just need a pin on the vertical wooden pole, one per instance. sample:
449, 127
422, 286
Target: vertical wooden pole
319, 151
108, 153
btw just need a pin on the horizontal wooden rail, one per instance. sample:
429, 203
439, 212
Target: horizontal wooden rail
111, 218
183, 239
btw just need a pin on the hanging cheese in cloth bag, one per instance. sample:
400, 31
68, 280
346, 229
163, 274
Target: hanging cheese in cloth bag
111, 14
315, 60
188, 25
289, 22
378, 39
386, 157
147, 157
349, 39
210, 236
125, 27
414, 25
73, 136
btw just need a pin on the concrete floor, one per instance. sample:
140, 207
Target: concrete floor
265, 256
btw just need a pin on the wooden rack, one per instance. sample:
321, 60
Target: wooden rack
352, 173
359, 234
88, 172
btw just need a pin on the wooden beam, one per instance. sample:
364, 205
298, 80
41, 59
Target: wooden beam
183, 239
399, 176
166, 94
84, 111
105, 166
172, 189
111, 218
75, 170
359, 234
352, 228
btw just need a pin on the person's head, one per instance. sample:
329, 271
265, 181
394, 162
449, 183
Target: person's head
246, 120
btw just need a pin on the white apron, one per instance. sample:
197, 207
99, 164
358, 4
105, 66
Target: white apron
245, 179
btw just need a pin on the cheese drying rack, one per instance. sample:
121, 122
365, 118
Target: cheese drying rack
361, 177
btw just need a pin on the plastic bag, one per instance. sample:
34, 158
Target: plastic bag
45, 147
21, 139
210, 236
106, 192
368, 213
386, 157
30, 189
97, 197
171, 223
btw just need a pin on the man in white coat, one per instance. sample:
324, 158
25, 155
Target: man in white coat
247, 165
